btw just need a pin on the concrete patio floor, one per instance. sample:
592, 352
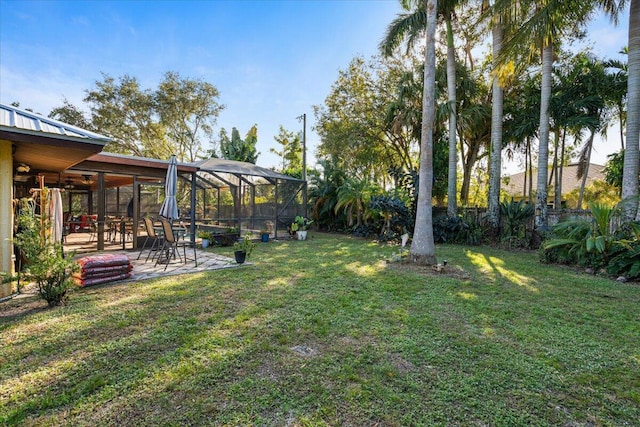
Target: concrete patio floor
142, 270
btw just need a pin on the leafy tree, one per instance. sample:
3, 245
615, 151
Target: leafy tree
236, 148
176, 118
356, 118
291, 152
613, 170
71, 114
188, 109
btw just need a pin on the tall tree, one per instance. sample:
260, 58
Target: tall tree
353, 118
423, 249
70, 114
542, 30
188, 109
410, 26
176, 118
497, 114
631, 152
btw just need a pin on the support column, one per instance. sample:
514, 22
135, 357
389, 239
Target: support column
101, 210
6, 213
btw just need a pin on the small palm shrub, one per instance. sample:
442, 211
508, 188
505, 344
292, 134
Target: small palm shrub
515, 216
593, 243
448, 229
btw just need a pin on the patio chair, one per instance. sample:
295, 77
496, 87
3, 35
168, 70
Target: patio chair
171, 245
153, 236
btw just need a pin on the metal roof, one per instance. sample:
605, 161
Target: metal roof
22, 121
240, 168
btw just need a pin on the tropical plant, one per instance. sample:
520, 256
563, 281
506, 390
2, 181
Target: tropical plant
245, 244
46, 264
353, 199
458, 229
300, 223
625, 261
396, 218
323, 194
205, 234
236, 148
587, 242
515, 216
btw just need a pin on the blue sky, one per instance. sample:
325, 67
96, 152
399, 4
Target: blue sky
270, 60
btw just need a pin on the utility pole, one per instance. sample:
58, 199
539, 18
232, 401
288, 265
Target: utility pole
303, 117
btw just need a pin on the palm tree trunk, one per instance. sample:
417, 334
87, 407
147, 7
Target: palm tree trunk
561, 169
496, 133
557, 187
631, 155
423, 247
451, 89
586, 170
526, 169
543, 149
530, 171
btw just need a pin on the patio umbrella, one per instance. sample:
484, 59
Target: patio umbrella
56, 215
169, 207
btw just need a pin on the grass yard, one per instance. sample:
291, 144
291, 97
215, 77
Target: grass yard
326, 332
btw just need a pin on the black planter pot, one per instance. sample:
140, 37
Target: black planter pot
240, 256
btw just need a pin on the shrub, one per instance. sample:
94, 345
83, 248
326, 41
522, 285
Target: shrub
593, 243
515, 216
447, 229
395, 217
45, 262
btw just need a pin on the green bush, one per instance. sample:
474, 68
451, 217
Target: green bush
515, 216
447, 229
46, 264
596, 243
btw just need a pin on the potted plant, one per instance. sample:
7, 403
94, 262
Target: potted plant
243, 248
300, 226
206, 237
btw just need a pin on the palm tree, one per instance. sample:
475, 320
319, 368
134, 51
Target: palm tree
631, 153
411, 26
495, 158
542, 30
422, 246
353, 198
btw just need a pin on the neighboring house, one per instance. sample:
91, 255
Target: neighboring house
514, 185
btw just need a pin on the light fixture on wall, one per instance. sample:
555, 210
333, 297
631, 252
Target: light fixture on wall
23, 168
68, 184
86, 180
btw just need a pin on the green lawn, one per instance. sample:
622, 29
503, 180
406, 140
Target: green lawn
326, 332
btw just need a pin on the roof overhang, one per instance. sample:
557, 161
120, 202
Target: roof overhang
47, 153
46, 144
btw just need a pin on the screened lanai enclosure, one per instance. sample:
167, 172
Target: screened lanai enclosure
107, 196
246, 197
